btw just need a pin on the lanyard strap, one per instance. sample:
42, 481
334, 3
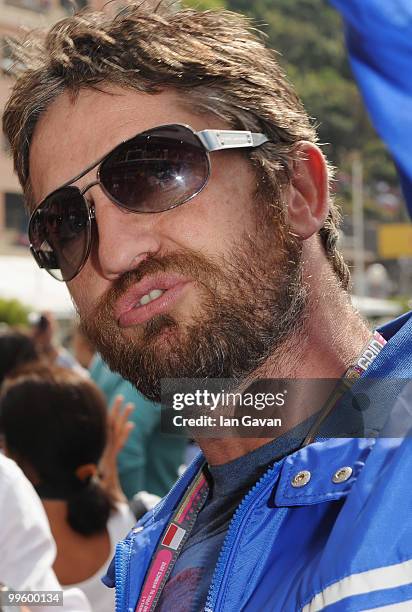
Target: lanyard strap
179, 528
172, 542
352, 374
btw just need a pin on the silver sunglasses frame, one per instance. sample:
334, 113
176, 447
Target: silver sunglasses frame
211, 140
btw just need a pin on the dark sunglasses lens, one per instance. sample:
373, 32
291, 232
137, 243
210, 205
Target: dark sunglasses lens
59, 233
156, 170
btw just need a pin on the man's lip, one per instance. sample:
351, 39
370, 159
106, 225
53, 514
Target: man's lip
131, 298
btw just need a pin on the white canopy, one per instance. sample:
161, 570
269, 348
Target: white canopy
22, 279
376, 307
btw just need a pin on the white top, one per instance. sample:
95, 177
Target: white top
27, 548
100, 596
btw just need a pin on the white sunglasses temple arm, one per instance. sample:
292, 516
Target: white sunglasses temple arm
216, 140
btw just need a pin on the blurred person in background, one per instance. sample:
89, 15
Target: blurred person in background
55, 426
44, 333
83, 350
27, 548
149, 460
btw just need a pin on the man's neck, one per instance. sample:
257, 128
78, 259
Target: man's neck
329, 342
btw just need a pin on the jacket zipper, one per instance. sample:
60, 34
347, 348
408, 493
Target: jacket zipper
124, 547
233, 535
122, 559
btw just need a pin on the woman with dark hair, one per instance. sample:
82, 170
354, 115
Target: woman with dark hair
56, 428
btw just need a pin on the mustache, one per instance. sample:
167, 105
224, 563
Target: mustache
189, 264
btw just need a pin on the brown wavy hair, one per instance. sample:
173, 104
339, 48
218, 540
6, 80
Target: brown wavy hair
216, 59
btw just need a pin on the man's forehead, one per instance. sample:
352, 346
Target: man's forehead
70, 131
73, 133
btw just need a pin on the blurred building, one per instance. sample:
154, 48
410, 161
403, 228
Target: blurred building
15, 16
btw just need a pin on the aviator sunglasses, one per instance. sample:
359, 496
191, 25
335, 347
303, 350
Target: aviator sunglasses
152, 172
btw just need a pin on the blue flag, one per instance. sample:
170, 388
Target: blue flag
379, 39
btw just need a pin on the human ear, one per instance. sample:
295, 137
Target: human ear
308, 200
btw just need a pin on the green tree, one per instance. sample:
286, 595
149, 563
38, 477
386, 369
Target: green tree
204, 4
13, 312
308, 34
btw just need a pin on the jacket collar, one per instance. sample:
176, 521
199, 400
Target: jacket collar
327, 469
323, 471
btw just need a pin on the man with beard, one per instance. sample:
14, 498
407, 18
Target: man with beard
175, 184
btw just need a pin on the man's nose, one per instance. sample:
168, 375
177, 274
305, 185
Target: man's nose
123, 239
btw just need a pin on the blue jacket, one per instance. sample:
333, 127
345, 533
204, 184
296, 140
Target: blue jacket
324, 546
